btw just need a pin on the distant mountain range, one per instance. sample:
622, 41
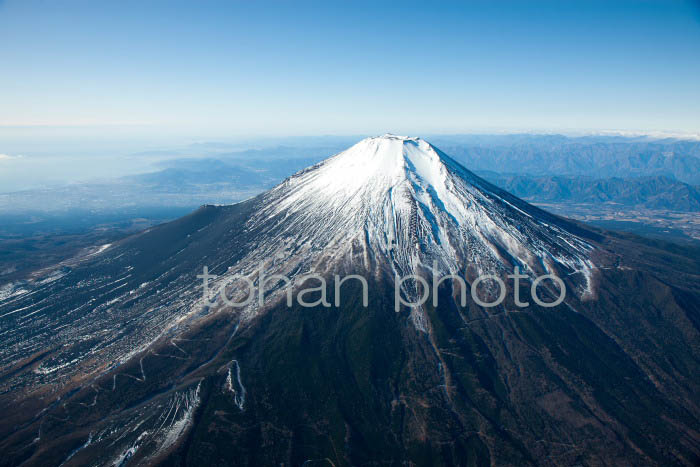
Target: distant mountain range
598, 157
658, 192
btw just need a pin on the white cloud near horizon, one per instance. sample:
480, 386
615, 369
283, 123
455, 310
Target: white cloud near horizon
8, 157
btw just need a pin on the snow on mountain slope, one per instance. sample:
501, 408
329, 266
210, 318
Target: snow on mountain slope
387, 205
402, 203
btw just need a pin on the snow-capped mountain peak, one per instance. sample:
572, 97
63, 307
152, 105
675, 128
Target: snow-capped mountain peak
399, 204
377, 163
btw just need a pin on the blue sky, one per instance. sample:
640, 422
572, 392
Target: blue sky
302, 68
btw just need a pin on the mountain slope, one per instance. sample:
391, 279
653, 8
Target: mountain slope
116, 358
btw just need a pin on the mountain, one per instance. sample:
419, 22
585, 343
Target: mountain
597, 157
178, 183
116, 357
648, 192
647, 172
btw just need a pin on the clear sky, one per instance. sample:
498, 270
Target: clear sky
290, 68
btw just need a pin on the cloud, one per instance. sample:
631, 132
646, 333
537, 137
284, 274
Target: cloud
4, 157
